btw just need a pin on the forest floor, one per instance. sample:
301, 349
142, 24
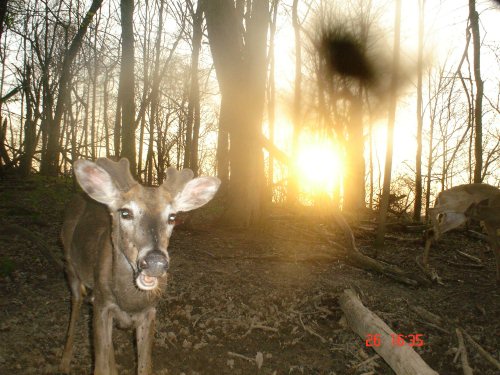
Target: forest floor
237, 296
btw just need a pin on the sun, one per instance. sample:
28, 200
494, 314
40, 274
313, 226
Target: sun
318, 164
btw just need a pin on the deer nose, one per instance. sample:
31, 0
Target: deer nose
154, 263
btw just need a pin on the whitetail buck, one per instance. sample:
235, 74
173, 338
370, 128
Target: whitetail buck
116, 244
454, 207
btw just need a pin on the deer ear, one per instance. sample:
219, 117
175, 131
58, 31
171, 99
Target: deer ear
96, 182
196, 193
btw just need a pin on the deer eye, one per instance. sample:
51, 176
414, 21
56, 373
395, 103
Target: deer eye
126, 214
171, 218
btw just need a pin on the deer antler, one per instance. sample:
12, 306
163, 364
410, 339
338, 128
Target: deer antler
119, 171
176, 180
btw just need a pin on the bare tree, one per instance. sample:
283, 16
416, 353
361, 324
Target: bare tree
50, 161
241, 62
384, 204
417, 208
127, 84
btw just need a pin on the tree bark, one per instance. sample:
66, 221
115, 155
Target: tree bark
293, 188
417, 208
193, 117
384, 204
478, 107
127, 84
241, 66
354, 181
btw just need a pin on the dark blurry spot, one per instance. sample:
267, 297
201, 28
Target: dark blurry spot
344, 55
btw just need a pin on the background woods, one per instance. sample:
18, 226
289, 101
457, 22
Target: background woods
304, 109
286, 101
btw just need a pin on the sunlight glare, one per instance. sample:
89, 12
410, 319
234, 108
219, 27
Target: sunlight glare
318, 164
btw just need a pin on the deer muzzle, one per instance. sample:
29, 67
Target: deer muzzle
152, 266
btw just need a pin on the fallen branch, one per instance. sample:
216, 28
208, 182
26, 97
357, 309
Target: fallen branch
462, 352
364, 363
468, 256
427, 315
481, 351
310, 330
477, 235
358, 259
434, 326
241, 356
402, 359
260, 326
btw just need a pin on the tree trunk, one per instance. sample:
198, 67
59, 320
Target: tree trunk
271, 99
193, 117
3, 13
241, 110
417, 208
354, 181
127, 83
478, 107
50, 161
384, 204
293, 188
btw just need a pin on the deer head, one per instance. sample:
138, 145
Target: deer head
143, 217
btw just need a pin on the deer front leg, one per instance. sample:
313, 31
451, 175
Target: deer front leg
429, 239
76, 303
144, 337
103, 341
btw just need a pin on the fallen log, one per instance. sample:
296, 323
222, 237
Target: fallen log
402, 359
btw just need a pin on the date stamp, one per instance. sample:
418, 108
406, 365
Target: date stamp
412, 340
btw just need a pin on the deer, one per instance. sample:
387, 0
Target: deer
455, 206
115, 240
488, 212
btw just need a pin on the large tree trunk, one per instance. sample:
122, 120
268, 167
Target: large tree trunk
384, 204
127, 84
354, 182
241, 72
50, 160
478, 107
417, 208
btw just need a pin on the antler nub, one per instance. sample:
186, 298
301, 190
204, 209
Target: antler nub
119, 171
176, 180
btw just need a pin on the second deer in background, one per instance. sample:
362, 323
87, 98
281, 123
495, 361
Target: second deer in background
455, 206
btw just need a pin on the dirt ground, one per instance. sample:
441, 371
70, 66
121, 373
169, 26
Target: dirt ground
237, 300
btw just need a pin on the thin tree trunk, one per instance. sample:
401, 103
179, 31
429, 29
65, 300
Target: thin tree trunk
271, 99
105, 104
417, 209
293, 188
193, 117
145, 88
127, 84
478, 108
94, 97
384, 205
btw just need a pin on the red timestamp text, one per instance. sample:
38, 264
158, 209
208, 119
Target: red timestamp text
413, 340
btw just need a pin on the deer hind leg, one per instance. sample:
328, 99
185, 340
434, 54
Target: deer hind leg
77, 293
